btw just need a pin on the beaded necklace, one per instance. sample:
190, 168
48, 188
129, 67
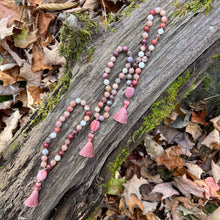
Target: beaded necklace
132, 70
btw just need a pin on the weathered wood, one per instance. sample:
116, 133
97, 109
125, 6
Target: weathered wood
183, 42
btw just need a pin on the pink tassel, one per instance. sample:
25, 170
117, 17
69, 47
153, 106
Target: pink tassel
87, 150
121, 115
32, 200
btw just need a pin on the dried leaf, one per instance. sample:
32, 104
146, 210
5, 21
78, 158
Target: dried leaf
133, 201
147, 195
6, 104
198, 106
91, 4
199, 117
183, 200
194, 169
213, 187
10, 11
171, 158
215, 171
7, 133
188, 187
36, 2
132, 187
152, 216
33, 93
7, 66
43, 23
216, 122
10, 90
194, 129
5, 31
149, 207
166, 189
25, 38
153, 148
32, 78
57, 6
212, 138
215, 215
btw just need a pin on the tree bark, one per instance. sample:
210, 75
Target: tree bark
73, 186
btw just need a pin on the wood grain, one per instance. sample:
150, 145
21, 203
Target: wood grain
183, 42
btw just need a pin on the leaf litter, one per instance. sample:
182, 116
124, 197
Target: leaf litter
172, 175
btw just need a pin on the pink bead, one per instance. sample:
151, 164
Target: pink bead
70, 136
67, 141
144, 59
164, 19
58, 123
73, 103
129, 92
131, 70
106, 94
94, 126
64, 147
38, 185
43, 164
66, 114
136, 76
113, 59
86, 118
79, 127
115, 86
145, 35
42, 174
110, 64
138, 70
114, 92
53, 162
143, 48
69, 108
162, 13
83, 102
157, 10
96, 115
106, 115
127, 65
149, 23
62, 118
90, 135
86, 107
44, 158
57, 129
105, 75
100, 104
107, 108
104, 99
126, 102
121, 75
162, 25
107, 70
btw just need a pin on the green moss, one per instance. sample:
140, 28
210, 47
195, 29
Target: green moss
90, 53
215, 56
5, 98
73, 41
206, 82
193, 6
162, 107
210, 208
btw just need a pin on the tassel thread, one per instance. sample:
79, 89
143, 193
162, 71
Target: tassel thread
32, 200
121, 115
88, 150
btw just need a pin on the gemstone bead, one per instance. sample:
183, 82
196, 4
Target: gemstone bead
46, 145
115, 86
157, 10
140, 53
146, 29
115, 53
73, 103
43, 164
108, 88
64, 147
53, 135
150, 17
78, 100
62, 118
107, 108
110, 64
70, 136
125, 49
109, 102
117, 80
67, 141
152, 12
107, 70
130, 59
113, 59
101, 118
151, 48
144, 59
160, 31
106, 115
57, 157
162, 13
44, 158
141, 65
74, 132
114, 92
149, 23
145, 35
105, 75
134, 82
106, 82
106, 94
57, 129
164, 19
129, 76
83, 123
45, 151
83, 102
128, 82
121, 75
47, 140
88, 112
124, 70
86, 107
163, 25
86, 118
48, 167
131, 70
61, 153
53, 162
69, 108
138, 70
66, 114
79, 127
97, 109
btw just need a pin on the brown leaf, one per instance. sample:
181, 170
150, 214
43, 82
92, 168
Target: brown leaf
36, 2
188, 187
133, 201
33, 95
199, 117
194, 169
194, 129
212, 140
171, 158
43, 23
6, 104
152, 216
10, 11
91, 4
215, 171
149, 206
5, 31
198, 106
166, 189
216, 122
10, 90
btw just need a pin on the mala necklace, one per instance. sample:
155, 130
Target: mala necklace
132, 70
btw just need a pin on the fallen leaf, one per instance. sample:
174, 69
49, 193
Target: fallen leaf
167, 132
116, 187
215, 171
194, 129
198, 106
32, 78
7, 133
10, 90
91, 4
215, 215
132, 187
149, 206
166, 189
153, 148
36, 2
183, 200
171, 158
25, 38
133, 201
181, 121
7, 66
147, 195
182, 139
151, 216
188, 187
194, 169
138, 153
199, 117
213, 187
213, 137
10, 11
216, 122
33, 93
6, 104
43, 23
5, 31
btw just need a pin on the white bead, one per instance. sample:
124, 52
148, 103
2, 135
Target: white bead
162, 13
124, 70
157, 10
83, 123
144, 59
140, 53
106, 82
160, 31
150, 17
57, 158
113, 59
45, 151
141, 65
86, 108
78, 100
53, 135
97, 109
151, 48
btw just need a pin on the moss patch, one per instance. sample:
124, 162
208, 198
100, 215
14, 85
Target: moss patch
5, 98
193, 6
73, 41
